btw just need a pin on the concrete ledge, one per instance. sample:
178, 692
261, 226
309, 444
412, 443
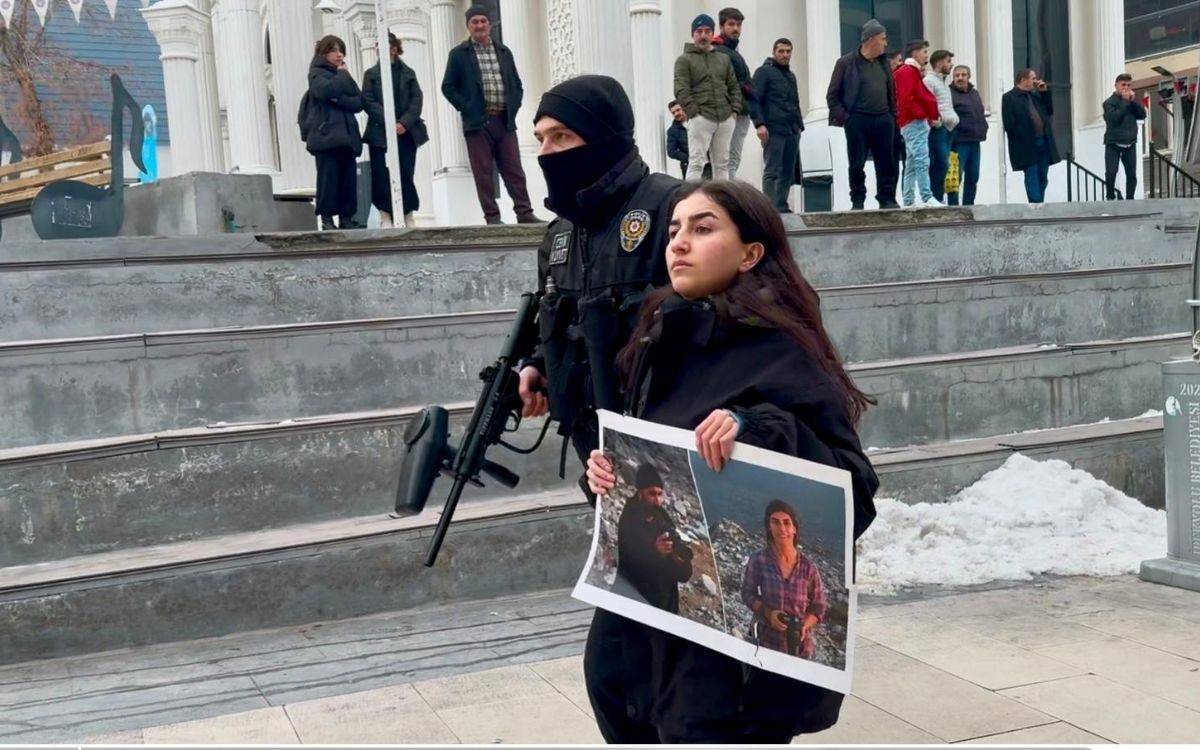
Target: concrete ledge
348, 567
1171, 572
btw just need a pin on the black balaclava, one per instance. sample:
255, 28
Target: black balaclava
597, 108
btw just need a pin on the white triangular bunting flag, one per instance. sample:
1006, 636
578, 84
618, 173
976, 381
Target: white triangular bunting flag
76, 8
41, 7
6, 11
112, 8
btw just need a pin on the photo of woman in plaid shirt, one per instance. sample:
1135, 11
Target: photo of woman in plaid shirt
783, 587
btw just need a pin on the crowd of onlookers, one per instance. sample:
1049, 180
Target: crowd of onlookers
914, 113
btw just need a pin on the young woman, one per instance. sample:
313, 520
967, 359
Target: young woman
733, 349
331, 132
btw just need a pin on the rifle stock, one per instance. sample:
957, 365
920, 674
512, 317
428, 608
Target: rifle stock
497, 410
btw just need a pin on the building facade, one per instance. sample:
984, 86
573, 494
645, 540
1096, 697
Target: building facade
235, 71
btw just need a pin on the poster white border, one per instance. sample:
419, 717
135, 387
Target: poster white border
744, 651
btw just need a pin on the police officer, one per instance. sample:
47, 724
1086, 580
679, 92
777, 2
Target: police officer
599, 258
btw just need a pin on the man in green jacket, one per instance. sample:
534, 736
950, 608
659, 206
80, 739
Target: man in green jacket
707, 89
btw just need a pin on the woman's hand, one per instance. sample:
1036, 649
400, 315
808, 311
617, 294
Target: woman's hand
600, 475
714, 438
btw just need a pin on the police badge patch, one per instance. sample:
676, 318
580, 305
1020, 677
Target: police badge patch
634, 228
559, 247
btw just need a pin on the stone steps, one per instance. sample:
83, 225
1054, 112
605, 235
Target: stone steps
77, 389
344, 567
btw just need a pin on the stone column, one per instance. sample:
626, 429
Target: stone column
1110, 40
823, 48
958, 32
411, 23
360, 19
994, 34
247, 101
524, 34
453, 188
184, 36
292, 44
649, 87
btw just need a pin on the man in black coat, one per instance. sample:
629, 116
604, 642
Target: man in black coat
599, 258
677, 145
410, 133
481, 82
780, 122
730, 20
651, 558
1026, 112
862, 99
1122, 111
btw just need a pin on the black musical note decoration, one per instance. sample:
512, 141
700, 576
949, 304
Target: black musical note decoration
70, 209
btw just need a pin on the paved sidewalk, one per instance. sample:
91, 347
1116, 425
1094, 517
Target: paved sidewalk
1074, 660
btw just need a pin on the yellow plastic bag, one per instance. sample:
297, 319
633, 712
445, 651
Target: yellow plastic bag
953, 176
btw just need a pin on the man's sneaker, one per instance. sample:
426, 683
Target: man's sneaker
932, 202
856, 206
530, 219
888, 204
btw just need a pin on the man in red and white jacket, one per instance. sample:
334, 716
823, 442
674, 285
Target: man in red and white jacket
916, 113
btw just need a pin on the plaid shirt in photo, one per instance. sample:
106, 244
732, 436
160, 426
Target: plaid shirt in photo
802, 593
493, 82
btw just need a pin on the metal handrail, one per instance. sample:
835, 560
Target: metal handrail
1168, 180
1084, 185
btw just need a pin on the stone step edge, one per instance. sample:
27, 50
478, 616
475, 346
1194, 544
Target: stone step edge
97, 568
456, 239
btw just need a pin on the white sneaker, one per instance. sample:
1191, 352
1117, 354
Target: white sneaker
385, 220
410, 220
933, 203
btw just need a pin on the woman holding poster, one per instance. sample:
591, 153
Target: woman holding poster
735, 350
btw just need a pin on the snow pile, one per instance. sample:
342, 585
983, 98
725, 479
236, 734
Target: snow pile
1025, 518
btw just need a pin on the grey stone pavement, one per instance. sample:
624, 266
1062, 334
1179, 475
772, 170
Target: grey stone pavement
1063, 660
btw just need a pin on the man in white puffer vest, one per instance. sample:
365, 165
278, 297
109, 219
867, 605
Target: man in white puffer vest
941, 63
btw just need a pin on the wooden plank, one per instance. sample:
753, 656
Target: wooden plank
54, 175
99, 180
90, 151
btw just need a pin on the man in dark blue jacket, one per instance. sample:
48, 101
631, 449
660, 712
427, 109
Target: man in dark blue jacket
677, 145
1122, 111
779, 123
481, 82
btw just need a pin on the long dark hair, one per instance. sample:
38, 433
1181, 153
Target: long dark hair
774, 290
780, 506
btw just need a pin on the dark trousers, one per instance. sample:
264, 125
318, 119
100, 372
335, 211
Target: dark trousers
337, 184
1126, 157
874, 134
494, 146
939, 161
1037, 175
968, 167
779, 169
381, 185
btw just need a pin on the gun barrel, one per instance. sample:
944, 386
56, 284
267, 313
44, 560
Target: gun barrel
443, 525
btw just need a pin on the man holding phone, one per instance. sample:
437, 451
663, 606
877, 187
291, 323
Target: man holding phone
1027, 111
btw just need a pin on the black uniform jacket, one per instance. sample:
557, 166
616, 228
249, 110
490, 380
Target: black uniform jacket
654, 576
594, 278
700, 358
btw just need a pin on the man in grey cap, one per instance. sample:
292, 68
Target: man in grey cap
862, 100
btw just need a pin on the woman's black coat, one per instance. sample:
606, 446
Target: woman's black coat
408, 99
700, 359
333, 99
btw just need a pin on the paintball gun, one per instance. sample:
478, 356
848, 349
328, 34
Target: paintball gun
498, 411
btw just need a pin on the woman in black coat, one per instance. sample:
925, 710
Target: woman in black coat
734, 349
410, 132
331, 132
